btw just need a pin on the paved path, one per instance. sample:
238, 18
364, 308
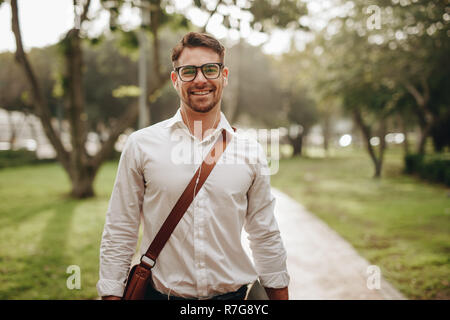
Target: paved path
322, 265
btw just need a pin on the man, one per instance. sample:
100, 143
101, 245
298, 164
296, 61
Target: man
203, 258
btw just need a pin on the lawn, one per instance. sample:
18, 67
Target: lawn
43, 232
398, 222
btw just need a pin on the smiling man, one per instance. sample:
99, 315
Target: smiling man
203, 258
200, 92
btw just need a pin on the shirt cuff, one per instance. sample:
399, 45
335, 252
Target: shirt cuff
107, 287
275, 280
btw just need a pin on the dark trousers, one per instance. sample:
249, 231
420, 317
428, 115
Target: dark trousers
153, 294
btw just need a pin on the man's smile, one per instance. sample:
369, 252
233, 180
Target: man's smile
202, 92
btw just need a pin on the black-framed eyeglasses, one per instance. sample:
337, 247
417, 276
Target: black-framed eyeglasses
209, 70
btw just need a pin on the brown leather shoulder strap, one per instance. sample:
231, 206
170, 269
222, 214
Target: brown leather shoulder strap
185, 200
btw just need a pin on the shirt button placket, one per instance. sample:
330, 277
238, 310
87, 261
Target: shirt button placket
200, 246
202, 270
196, 244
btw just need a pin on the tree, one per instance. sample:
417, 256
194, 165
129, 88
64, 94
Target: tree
412, 38
387, 67
79, 165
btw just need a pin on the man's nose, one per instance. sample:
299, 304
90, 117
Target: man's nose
200, 78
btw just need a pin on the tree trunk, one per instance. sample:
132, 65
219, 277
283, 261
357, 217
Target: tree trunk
424, 133
382, 134
83, 181
297, 145
326, 133
426, 117
77, 116
33, 130
404, 130
378, 167
366, 131
233, 87
12, 130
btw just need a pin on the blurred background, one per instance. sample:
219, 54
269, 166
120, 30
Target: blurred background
358, 90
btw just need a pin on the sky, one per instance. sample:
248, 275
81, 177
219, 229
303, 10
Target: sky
44, 22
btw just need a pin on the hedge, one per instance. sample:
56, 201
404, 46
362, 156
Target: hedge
434, 168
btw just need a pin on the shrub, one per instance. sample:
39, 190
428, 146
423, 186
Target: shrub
447, 176
413, 163
434, 168
14, 158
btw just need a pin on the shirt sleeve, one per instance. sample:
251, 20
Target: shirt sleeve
267, 248
121, 230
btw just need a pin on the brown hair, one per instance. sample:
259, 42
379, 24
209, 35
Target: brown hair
196, 39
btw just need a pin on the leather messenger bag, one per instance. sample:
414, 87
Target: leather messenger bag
140, 275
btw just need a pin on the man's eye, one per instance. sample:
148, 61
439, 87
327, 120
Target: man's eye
211, 69
188, 71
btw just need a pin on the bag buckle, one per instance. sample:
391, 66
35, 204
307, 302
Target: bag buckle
147, 261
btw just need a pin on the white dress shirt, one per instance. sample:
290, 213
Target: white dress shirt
204, 255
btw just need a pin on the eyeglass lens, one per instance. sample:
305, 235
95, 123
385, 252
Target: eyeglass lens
210, 71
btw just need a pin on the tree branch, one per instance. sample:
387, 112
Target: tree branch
421, 99
366, 133
154, 25
124, 122
415, 93
39, 101
85, 11
426, 90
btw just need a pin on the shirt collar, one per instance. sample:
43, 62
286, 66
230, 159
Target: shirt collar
223, 123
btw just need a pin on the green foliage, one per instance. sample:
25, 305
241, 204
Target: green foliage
15, 91
129, 40
440, 132
96, 40
280, 13
434, 168
21, 157
126, 91
413, 162
178, 22
302, 109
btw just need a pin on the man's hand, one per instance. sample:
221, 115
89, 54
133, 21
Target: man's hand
277, 294
111, 298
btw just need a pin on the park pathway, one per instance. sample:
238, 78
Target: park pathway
321, 264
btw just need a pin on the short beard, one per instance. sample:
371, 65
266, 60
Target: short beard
206, 109
202, 110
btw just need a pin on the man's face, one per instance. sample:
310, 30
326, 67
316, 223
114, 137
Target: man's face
200, 94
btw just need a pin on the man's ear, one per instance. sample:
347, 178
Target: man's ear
225, 73
173, 77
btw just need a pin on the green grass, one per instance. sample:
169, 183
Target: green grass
43, 232
398, 222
